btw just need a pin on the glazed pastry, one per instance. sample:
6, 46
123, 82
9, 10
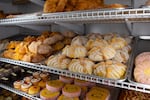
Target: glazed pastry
66, 80
58, 61
94, 36
9, 53
17, 84
69, 34
28, 79
35, 58
42, 84
48, 95
22, 48
79, 40
33, 47
54, 85
44, 49
121, 56
25, 86
34, 90
36, 75
83, 65
142, 72
67, 41
71, 91
110, 69
97, 93
74, 51
100, 54
58, 46
96, 43
35, 81
44, 76
62, 97
118, 43
12, 44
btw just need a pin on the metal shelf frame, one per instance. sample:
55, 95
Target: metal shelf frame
88, 16
91, 78
19, 92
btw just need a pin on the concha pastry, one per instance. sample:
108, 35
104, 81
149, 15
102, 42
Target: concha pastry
12, 44
121, 56
94, 36
142, 72
44, 49
79, 40
58, 46
114, 69
118, 43
83, 65
8, 53
58, 61
96, 43
145, 56
74, 51
33, 47
109, 36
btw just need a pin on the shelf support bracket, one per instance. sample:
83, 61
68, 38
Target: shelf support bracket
38, 2
77, 28
38, 28
129, 26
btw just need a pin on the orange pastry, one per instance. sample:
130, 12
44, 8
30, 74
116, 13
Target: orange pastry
34, 90
42, 84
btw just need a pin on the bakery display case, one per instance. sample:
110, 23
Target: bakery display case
96, 41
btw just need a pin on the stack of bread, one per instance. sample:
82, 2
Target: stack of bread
69, 89
142, 68
133, 95
102, 55
51, 6
35, 49
32, 84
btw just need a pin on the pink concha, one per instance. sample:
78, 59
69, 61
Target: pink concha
142, 57
44, 98
66, 80
71, 95
53, 89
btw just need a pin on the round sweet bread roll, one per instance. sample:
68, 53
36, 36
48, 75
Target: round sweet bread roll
34, 90
110, 69
83, 65
70, 90
75, 51
58, 61
96, 43
33, 47
48, 95
145, 56
142, 72
54, 85
98, 93
69, 34
79, 40
66, 80
81, 83
22, 47
118, 42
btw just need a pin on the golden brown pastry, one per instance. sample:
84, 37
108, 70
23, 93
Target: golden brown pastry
118, 43
67, 41
50, 6
83, 65
8, 53
29, 39
22, 47
94, 36
33, 47
12, 44
58, 61
110, 69
79, 40
69, 34
96, 43
61, 5
58, 46
116, 5
44, 49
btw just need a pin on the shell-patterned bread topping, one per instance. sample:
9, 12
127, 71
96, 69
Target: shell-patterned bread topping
118, 43
100, 54
79, 40
58, 61
83, 65
94, 36
110, 69
96, 43
75, 51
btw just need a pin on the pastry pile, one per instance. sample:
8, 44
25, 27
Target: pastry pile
51, 6
35, 49
103, 55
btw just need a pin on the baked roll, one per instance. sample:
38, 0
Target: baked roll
79, 40
58, 61
74, 51
94, 36
83, 65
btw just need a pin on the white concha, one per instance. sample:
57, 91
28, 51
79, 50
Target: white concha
95, 54
83, 65
33, 47
94, 36
100, 69
75, 51
79, 40
58, 61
